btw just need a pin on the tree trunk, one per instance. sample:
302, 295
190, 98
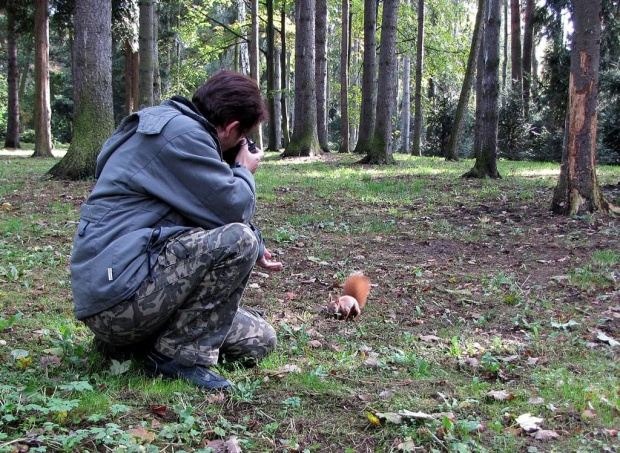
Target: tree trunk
416, 149
486, 160
479, 75
305, 141
321, 72
132, 63
147, 51
344, 80
254, 60
505, 60
284, 78
369, 79
381, 149
528, 42
406, 109
577, 191
42, 111
516, 71
277, 100
271, 78
12, 125
92, 92
156, 75
455, 136
244, 57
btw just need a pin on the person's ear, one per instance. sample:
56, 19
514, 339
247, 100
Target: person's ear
230, 127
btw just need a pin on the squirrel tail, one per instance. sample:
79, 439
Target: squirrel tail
357, 285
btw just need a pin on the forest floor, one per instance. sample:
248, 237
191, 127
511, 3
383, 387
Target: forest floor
492, 325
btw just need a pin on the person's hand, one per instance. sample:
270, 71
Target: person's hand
249, 160
266, 262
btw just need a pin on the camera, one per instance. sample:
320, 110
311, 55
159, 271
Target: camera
230, 155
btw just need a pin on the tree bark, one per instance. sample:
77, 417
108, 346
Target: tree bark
321, 72
479, 75
92, 92
369, 79
305, 141
12, 125
577, 191
453, 151
344, 80
516, 71
271, 79
284, 78
528, 42
156, 74
42, 111
416, 148
277, 99
505, 60
254, 60
147, 51
381, 149
132, 67
406, 109
486, 160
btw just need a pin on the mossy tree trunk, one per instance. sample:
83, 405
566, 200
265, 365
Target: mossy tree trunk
305, 140
486, 158
368, 108
577, 190
381, 149
92, 95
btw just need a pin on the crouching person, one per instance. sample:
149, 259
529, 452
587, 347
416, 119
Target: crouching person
165, 244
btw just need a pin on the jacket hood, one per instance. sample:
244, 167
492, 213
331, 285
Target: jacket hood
150, 121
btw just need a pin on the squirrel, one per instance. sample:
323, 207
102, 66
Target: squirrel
353, 299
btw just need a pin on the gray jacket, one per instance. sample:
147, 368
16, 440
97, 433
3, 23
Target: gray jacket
159, 174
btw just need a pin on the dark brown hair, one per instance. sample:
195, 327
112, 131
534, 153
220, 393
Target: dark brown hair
229, 96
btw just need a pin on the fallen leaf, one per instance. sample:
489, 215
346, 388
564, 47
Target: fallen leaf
544, 434
142, 433
528, 422
429, 338
472, 362
536, 400
232, 445
391, 417
314, 344
159, 410
407, 446
373, 419
500, 395
587, 413
289, 369
386, 394
602, 336
371, 363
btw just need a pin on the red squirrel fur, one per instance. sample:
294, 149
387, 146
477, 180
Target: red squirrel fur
353, 299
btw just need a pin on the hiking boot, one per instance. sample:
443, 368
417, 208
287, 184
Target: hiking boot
156, 364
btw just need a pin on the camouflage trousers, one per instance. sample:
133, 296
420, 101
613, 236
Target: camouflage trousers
189, 306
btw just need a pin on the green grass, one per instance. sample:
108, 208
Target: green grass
476, 289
